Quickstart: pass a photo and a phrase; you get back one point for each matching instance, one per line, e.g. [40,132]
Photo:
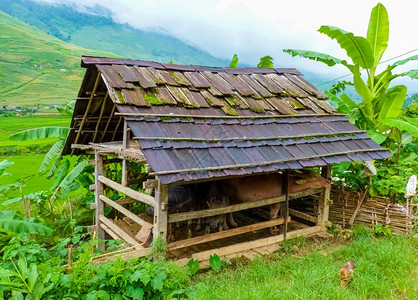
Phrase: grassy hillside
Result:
[97,31]
[36,68]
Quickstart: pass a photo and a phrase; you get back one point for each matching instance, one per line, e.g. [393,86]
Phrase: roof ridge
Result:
[97,60]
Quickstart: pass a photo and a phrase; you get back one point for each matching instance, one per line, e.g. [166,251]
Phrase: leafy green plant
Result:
[234,61]
[266,62]
[380,110]
[158,249]
[193,266]
[215,262]
[23,280]
[9,220]
[382,230]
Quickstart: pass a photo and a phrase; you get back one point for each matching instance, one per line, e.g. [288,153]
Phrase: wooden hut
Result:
[189,124]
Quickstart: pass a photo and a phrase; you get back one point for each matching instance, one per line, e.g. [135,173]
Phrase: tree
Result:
[380,110]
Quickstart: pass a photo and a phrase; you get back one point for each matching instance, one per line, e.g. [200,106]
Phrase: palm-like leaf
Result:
[378,31]
[393,102]
[40,133]
[316,56]
[357,47]
[19,225]
[54,150]
[234,61]
[266,62]
[402,124]
[4,164]
[413,74]
[404,61]
[71,176]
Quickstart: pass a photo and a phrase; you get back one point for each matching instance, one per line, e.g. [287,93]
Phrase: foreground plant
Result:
[380,110]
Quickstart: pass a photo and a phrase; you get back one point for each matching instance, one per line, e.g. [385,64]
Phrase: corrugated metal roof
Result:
[195,123]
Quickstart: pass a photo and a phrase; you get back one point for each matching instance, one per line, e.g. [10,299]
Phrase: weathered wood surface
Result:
[161,211]
[237,207]
[119,231]
[227,116]
[323,203]
[235,166]
[147,199]
[115,149]
[232,249]
[225,234]
[124,211]
[98,203]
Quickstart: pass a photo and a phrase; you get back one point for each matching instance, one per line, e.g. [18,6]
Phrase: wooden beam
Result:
[267,162]
[128,191]
[237,207]
[160,211]
[302,215]
[123,210]
[110,232]
[229,117]
[100,116]
[254,244]
[116,128]
[108,122]
[96,84]
[285,186]
[120,232]
[224,234]
[98,171]
[125,143]
[333,133]
[124,201]
[323,203]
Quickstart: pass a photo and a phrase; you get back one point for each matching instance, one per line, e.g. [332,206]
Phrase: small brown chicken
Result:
[346,272]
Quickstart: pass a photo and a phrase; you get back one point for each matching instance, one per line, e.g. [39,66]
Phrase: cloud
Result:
[256,28]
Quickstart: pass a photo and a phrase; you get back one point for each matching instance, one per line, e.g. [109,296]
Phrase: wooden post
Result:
[126,135]
[323,205]
[99,203]
[160,211]
[285,187]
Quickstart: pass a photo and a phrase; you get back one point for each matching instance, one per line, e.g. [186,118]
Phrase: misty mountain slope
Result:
[36,68]
[100,32]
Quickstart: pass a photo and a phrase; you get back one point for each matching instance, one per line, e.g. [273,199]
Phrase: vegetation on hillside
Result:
[37,68]
[97,30]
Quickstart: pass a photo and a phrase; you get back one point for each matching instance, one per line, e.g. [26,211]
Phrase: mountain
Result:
[96,30]
[37,68]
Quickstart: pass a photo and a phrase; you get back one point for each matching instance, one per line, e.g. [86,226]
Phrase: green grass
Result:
[386,268]
[25,166]
[12,125]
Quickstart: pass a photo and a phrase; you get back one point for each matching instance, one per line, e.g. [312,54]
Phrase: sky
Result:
[253,29]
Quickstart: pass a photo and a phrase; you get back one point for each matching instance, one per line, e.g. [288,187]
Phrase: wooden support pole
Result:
[108,123]
[96,84]
[147,199]
[100,116]
[116,128]
[125,144]
[285,187]
[323,205]
[98,171]
[160,211]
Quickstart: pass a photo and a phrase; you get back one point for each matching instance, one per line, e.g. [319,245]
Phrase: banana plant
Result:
[380,109]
